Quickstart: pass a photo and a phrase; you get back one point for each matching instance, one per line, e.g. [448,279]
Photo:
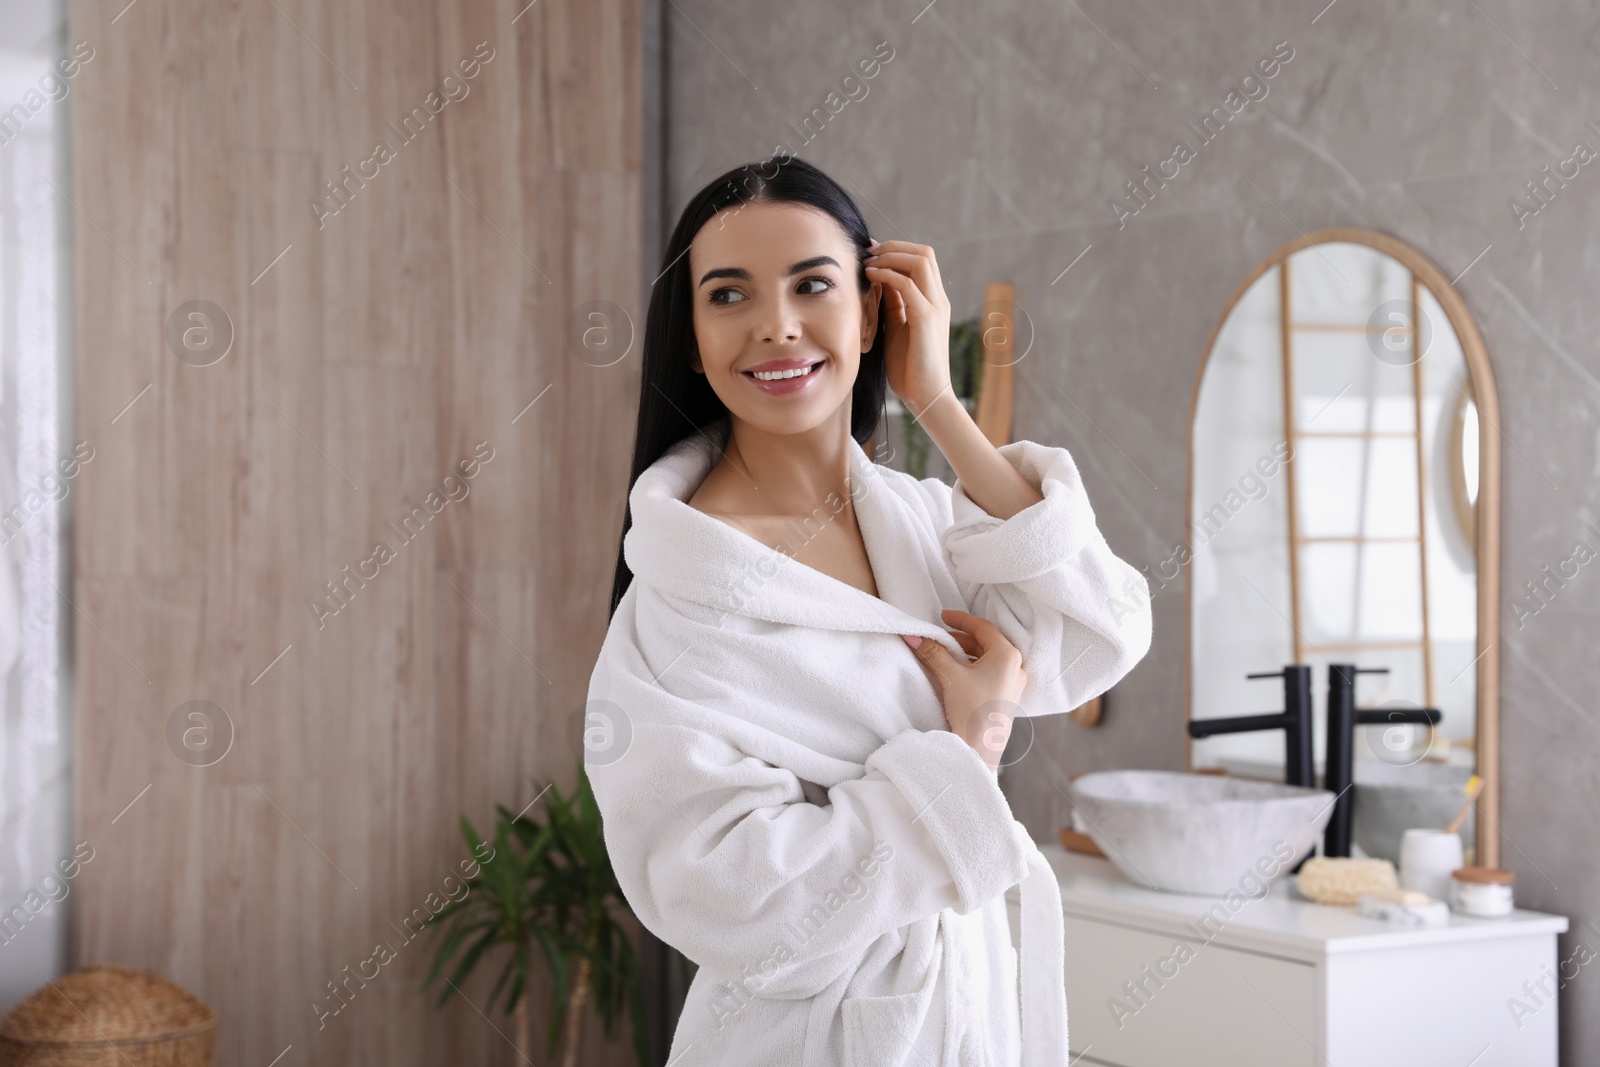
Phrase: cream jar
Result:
[1483,892]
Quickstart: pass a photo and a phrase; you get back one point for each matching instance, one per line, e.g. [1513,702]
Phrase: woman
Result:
[795,800]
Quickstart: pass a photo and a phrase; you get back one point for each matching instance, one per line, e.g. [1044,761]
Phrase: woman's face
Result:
[775,283]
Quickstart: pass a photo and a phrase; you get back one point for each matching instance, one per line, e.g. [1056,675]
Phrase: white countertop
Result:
[1282,923]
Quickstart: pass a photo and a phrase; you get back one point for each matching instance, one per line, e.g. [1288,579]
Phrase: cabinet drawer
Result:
[1135,999]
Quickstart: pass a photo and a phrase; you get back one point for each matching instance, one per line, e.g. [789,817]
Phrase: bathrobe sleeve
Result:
[721,856]
[1046,577]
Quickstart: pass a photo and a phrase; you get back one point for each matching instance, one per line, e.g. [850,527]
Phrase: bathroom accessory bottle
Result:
[1428,858]
[1483,892]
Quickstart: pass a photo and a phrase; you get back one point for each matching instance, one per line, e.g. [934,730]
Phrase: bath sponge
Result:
[1341,880]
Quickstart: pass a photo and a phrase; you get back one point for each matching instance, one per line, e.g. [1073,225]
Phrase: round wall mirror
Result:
[1344,510]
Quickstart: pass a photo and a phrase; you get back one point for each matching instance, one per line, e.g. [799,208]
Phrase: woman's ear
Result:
[694,361]
[870,301]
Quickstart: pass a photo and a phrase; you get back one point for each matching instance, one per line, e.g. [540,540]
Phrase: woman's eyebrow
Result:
[744,275]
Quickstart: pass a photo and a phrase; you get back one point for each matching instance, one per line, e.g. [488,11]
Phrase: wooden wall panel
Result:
[258,868]
[372,350]
[267,545]
[592,418]
[138,648]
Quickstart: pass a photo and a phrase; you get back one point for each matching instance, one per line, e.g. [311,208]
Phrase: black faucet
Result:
[1339,767]
[1294,720]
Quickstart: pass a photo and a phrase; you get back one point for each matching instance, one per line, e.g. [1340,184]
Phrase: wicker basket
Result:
[104,1015]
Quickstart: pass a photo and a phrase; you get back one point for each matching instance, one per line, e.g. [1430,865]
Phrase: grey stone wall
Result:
[1002,134]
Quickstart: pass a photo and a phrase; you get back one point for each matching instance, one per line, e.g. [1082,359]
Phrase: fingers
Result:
[917,262]
[895,304]
[968,643]
[911,292]
[916,259]
[917,254]
[902,246]
[988,635]
[937,659]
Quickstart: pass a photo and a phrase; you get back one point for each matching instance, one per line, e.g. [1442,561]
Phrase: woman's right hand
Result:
[980,698]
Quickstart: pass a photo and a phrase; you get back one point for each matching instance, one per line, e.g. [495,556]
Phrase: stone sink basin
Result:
[1199,833]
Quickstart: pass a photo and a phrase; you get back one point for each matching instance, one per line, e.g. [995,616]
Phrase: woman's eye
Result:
[716,296]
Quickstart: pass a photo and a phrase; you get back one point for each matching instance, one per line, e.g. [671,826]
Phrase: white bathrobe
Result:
[783,800]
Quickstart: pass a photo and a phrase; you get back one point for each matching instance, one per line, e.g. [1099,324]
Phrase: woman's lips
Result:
[787,386]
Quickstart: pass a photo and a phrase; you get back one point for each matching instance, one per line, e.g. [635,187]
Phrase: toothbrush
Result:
[1473,787]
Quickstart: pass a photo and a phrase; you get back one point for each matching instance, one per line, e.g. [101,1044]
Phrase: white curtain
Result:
[35,306]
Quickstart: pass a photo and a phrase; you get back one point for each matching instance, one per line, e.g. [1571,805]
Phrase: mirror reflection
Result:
[1332,516]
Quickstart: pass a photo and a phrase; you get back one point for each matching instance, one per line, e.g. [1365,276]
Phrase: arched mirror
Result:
[1344,509]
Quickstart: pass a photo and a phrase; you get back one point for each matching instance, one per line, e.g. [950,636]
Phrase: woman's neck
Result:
[788,474]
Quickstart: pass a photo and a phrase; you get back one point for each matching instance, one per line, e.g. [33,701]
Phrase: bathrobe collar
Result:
[684,552]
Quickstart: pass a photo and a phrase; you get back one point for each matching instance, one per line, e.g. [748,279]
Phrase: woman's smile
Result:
[785,377]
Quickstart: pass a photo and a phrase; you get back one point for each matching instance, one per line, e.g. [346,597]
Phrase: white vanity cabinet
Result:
[1282,981]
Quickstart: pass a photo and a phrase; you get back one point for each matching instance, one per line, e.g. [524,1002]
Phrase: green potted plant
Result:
[966,378]
[549,883]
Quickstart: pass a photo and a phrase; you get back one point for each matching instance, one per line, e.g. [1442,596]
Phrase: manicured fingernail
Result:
[911,639]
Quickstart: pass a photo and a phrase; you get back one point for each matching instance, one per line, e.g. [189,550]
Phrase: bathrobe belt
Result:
[1040,958]
[1040,961]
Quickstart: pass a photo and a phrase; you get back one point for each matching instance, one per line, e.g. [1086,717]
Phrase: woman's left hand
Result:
[916,322]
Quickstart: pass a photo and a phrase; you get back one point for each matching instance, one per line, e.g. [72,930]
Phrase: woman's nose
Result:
[788,330]
[785,323]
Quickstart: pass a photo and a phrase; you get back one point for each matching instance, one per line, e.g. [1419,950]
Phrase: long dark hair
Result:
[674,401]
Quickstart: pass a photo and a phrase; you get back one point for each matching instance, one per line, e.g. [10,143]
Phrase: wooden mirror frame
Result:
[995,404]
[1487,541]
